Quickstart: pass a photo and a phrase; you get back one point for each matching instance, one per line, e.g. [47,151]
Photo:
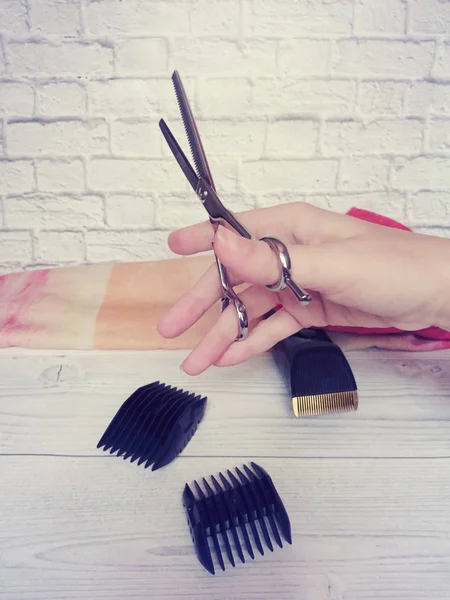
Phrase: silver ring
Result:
[285,261]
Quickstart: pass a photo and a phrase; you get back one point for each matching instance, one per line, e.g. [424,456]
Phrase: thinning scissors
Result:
[202,183]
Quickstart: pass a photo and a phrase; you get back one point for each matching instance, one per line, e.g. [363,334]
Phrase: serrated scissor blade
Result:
[193,136]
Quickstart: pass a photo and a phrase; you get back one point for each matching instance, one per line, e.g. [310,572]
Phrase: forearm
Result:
[441,267]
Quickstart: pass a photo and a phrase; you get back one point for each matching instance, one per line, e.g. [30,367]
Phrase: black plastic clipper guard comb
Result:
[154,425]
[235,508]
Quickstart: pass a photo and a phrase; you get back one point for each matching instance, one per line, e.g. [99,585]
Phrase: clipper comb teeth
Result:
[241,506]
[154,425]
[318,374]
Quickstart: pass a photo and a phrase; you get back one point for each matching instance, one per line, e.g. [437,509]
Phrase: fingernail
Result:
[183,365]
[161,327]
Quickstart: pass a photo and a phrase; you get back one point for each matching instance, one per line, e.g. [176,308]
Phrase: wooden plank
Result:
[61,403]
[85,528]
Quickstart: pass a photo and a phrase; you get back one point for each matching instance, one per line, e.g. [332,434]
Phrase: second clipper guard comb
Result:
[233,508]
[154,425]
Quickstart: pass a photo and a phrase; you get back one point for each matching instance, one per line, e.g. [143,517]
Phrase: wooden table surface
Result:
[368,493]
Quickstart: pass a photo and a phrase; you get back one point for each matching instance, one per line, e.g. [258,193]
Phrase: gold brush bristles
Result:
[324,404]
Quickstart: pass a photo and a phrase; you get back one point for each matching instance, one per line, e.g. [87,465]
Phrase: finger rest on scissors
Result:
[241,313]
[285,280]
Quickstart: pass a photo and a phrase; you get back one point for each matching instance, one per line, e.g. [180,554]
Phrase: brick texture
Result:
[61,17]
[13,17]
[66,138]
[395,58]
[365,173]
[432,16]
[401,136]
[60,175]
[439,135]
[380,16]
[216,55]
[142,55]
[50,211]
[126,210]
[70,244]
[134,17]
[338,103]
[294,17]
[122,97]
[47,59]
[304,57]
[423,172]
[292,137]
[16,176]
[16,99]
[424,97]
[382,98]
[429,208]
[61,100]
[442,66]
[305,176]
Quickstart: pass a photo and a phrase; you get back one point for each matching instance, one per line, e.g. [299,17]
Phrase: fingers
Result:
[198,238]
[192,306]
[213,345]
[209,350]
[252,261]
[317,268]
[267,333]
[258,301]
[192,239]
[293,223]
[205,293]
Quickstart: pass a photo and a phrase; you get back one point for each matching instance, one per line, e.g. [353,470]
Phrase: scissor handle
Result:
[241,315]
[285,281]
[229,295]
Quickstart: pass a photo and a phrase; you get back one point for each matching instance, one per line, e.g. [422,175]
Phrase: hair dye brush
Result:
[317,373]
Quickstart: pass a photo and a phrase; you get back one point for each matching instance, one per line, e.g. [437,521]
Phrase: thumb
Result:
[317,267]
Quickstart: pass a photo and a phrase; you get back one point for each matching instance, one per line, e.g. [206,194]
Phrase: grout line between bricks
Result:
[4,137]
[26,4]
[408,16]
[353,27]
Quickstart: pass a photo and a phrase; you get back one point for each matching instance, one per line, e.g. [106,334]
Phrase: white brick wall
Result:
[334,102]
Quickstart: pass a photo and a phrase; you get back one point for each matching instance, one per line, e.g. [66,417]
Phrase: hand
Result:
[358,274]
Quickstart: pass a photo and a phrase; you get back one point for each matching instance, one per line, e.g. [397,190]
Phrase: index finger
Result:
[295,223]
